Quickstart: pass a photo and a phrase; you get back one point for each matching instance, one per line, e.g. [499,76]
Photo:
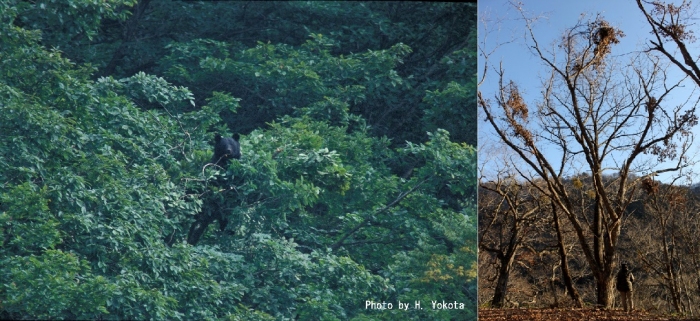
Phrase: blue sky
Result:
[505,24]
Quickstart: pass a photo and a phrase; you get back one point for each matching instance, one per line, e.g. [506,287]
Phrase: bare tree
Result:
[599,117]
[665,240]
[506,219]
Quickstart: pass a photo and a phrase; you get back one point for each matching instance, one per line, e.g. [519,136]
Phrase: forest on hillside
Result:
[594,172]
[355,186]
[659,242]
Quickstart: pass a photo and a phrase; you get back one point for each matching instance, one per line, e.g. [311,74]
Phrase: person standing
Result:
[624,285]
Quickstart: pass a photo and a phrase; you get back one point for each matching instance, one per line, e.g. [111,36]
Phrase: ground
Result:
[570,315]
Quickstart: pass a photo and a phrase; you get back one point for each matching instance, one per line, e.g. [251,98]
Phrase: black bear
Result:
[225,148]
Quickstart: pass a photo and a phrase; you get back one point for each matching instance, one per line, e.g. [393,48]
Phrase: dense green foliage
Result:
[356,181]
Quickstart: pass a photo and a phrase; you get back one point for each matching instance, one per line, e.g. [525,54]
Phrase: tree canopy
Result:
[356,183]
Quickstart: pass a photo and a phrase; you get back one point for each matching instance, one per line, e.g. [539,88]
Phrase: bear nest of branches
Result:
[604,36]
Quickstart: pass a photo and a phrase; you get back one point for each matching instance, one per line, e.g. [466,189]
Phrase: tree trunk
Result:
[606,230]
[671,276]
[605,293]
[566,274]
[499,295]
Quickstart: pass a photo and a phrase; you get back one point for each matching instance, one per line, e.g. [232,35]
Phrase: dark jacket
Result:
[624,279]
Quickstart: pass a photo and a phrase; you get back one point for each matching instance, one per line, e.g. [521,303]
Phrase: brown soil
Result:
[570,315]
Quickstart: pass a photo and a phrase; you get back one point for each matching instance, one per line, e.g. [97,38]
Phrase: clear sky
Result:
[503,23]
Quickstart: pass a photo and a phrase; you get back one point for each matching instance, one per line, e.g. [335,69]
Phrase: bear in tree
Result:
[225,148]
